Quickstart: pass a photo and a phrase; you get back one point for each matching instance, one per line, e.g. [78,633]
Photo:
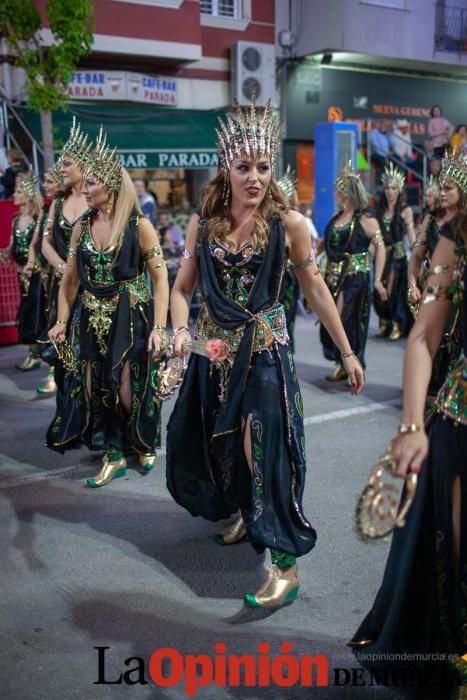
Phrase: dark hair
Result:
[383,203]
[433,108]
[459,225]
[459,127]
[16,156]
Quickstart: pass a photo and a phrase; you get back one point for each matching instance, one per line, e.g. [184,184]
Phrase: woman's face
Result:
[19,197]
[249,180]
[430,200]
[449,195]
[71,171]
[392,193]
[50,186]
[436,111]
[341,199]
[95,193]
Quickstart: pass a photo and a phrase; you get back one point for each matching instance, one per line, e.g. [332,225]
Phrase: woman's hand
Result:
[382,291]
[414,294]
[157,342]
[57,333]
[28,268]
[179,339]
[355,373]
[408,450]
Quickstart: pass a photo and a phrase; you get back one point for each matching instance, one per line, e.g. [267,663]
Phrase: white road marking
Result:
[27,479]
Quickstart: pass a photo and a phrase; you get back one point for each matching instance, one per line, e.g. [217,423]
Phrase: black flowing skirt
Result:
[396,308]
[271,497]
[355,318]
[421,607]
[96,418]
[290,298]
[31,313]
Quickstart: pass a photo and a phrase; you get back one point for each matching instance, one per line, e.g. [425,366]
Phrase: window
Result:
[221,8]
[390,4]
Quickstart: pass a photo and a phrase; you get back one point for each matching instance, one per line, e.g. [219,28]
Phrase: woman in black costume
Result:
[27,197]
[113,405]
[396,221]
[236,437]
[421,606]
[348,239]
[38,265]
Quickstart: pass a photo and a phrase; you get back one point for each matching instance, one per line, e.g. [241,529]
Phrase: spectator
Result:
[435,166]
[164,223]
[458,141]
[15,165]
[147,201]
[307,213]
[382,145]
[171,251]
[440,131]
[403,143]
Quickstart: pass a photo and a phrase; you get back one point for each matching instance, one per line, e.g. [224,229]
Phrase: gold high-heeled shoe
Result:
[30,362]
[49,386]
[109,471]
[395,333]
[232,533]
[147,461]
[338,375]
[384,328]
[280,588]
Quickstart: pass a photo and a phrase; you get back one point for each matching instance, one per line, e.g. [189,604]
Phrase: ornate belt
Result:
[452,397]
[358,262]
[399,250]
[102,308]
[270,326]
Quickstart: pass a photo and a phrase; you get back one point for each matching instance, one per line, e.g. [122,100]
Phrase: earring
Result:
[269,192]
[110,203]
[226,190]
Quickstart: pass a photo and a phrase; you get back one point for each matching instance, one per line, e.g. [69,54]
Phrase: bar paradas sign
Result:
[122,86]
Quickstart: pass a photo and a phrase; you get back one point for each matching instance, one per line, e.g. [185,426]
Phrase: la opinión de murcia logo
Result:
[167,668]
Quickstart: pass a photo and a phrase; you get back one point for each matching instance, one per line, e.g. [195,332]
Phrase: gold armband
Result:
[377,238]
[306,263]
[152,253]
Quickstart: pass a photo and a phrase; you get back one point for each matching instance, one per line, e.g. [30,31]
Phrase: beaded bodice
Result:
[349,238]
[392,228]
[21,241]
[97,263]
[236,271]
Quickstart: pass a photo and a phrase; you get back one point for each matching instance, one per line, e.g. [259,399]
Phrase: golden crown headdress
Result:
[55,173]
[104,164]
[454,167]
[76,145]
[288,183]
[393,177]
[342,180]
[254,133]
[432,186]
[30,184]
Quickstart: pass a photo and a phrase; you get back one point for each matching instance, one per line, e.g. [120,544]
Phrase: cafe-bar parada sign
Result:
[122,86]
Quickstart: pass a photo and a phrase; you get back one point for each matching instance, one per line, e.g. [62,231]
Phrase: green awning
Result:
[145,136]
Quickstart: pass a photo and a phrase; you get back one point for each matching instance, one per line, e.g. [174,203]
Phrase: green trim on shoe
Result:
[251,601]
[94,485]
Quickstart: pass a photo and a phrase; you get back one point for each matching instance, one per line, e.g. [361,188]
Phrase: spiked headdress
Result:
[254,133]
[76,145]
[393,177]
[30,185]
[55,173]
[454,167]
[342,180]
[432,186]
[288,183]
[104,164]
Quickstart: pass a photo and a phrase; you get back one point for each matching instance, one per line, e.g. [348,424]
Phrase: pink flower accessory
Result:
[214,350]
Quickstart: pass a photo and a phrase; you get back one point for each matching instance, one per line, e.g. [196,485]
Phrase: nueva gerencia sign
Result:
[122,85]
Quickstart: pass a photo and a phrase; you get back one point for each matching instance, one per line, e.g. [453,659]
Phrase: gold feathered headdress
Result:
[104,164]
[76,145]
[454,167]
[393,177]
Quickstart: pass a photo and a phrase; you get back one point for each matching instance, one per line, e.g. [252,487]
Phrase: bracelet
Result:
[412,285]
[378,280]
[348,354]
[408,428]
[159,328]
[61,322]
[176,331]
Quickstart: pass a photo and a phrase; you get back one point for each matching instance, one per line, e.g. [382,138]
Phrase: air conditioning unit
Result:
[253,68]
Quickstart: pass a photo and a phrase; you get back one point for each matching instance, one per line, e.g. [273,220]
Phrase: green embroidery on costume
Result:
[113,454]
[299,403]
[282,559]
[56,425]
[257,451]
[102,265]
[302,443]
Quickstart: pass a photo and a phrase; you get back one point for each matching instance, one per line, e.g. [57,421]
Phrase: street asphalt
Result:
[124,567]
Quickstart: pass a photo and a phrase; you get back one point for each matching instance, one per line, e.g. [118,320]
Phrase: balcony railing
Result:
[451,28]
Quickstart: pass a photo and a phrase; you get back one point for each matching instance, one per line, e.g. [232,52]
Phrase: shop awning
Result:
[145,136]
